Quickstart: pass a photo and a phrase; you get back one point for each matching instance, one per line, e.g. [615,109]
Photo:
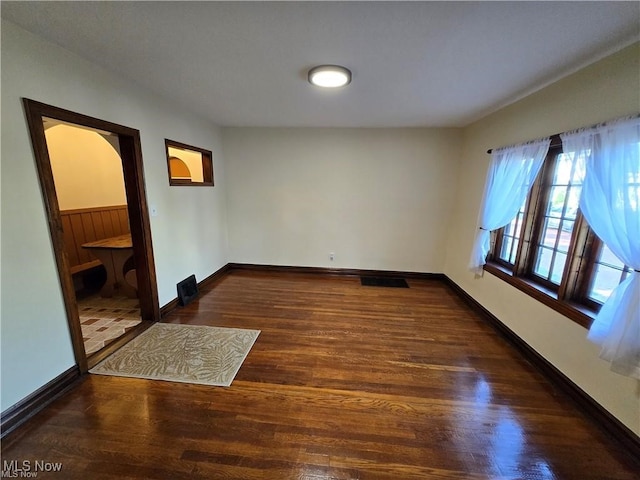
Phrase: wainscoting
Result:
[88,225]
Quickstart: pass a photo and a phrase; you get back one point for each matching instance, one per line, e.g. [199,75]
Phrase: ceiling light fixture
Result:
[329,76]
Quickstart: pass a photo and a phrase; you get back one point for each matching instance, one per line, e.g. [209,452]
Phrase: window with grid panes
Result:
[561,188]
[549,251]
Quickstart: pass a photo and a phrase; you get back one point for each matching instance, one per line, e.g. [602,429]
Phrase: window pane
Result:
[510,238]
[518,224]
[608,257]
[511,227]
[573,202]
[556,201]
[563,171]
[608,273]
[505,253]
[543,262]
[514,250]
[579,168]
[550,232]
[604,281]
[566,227]
[558,267]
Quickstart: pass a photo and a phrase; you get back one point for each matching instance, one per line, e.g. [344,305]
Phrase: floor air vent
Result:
[187,290]
[384,282]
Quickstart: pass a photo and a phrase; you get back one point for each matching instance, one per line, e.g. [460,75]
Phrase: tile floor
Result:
[105,319]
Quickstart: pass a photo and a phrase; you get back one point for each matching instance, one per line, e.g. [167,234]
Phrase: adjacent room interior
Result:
[89,185]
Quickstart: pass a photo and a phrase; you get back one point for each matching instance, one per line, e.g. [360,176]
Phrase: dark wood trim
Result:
[179,182]
[573,311]
[336,271]
[568,280]
[205,283]
[219,274]
[613,427]
[131,154]
[207,165]
[213,278]
[593,245]
[35,111]
[580,263]
[184,146]
[537,228]
[140,225]
[529,225]
[26,408]
[169,307]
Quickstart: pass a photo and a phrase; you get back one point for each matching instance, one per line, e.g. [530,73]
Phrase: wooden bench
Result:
[89,225]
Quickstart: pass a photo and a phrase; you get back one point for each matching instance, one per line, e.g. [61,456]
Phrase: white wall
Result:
[378,198]
[605,90]
[189,233]
[87,170]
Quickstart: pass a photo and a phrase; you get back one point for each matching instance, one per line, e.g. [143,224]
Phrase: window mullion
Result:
[526,229]
[497,237]
[579,259]
[537,201]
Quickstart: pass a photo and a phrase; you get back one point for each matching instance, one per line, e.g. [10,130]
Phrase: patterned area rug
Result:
[182,353]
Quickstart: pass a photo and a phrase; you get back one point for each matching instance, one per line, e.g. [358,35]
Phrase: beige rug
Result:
[182,353]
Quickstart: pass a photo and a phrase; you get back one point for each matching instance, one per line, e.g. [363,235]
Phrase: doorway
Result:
[138,275]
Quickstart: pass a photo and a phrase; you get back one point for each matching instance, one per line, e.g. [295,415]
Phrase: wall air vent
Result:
[187,290]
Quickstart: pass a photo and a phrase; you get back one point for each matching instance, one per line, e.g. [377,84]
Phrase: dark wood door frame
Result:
[131,154]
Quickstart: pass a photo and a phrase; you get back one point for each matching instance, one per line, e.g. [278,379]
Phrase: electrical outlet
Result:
[332,256]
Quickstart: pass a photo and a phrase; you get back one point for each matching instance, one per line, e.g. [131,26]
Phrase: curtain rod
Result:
[557,142]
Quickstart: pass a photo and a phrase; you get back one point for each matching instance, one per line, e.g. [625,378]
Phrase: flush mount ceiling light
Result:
[329,76]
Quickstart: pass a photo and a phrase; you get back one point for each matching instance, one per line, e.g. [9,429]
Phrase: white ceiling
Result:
[413,63]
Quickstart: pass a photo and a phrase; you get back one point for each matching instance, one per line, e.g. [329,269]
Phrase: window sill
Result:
[579,314]
[174,182]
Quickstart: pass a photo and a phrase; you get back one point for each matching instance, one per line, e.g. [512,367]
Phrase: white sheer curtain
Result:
[610,202]
[509,179]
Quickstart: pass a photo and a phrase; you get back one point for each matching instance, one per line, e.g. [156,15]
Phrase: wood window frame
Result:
[570,298]
[207,165]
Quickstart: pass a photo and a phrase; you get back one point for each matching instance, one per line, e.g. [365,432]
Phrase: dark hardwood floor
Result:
[344,382]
